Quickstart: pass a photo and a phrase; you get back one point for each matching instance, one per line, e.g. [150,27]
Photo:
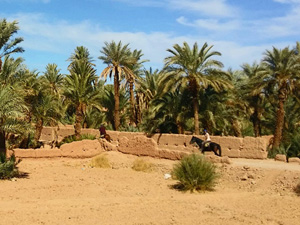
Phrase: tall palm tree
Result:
[108,102]
[147,87]
[256,100]
[281,73]
[8,44]
[195,69]
[53,79]
[131,81]
[119,60]
[80,88]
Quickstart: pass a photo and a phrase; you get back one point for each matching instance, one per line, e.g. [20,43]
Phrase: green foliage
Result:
[8,167]
[290,146]
[73,138]
[142,165]
[195,173]
[100,161]
[274,151]
[129,128]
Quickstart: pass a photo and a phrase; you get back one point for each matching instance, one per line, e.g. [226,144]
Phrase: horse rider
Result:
[206,139]
[102,131]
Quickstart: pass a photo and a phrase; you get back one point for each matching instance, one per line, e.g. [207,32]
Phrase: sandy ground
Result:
[68,191]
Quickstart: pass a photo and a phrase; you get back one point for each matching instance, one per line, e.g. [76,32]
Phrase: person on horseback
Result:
[102,131]
[206,139]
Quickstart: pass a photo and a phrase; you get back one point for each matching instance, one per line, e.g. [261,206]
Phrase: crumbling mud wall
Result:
[170,146]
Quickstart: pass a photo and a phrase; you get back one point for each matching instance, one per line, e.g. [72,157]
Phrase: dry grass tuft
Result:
[100,161]
[142,165]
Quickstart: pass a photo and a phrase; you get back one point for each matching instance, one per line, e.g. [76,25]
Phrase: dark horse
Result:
[107,137]
[210,146]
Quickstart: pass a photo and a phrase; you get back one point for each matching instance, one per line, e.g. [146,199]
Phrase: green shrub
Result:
[73,138]
[8,167]
[195,173]
[272,152]
[100,161]
[142,165]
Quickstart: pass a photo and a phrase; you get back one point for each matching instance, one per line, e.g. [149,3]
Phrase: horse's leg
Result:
[215,151]
[220,152]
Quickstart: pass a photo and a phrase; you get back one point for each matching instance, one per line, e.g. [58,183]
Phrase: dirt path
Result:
[68,191]
[267,164]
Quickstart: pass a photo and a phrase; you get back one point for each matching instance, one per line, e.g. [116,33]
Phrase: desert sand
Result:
[69,191]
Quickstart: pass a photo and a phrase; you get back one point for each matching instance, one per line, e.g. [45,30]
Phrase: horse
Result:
[106,137]
[209,146]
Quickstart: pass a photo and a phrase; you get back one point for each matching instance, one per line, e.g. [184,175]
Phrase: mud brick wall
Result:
[247,147]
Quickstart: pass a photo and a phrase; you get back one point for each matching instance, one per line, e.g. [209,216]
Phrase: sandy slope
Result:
[68,191]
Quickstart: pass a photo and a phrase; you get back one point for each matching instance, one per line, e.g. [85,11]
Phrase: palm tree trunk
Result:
[117,100]
[78,120]
[194,90]
[196,115]
[132,120]
[279,123]
[180,128]
[138,111]
[256,124]
[236,128]
[2,143]
[25,142]
[38,130]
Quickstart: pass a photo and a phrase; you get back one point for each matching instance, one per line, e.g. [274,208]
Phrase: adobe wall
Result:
[172,146]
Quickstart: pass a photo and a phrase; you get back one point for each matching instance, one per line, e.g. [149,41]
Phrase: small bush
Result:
[195,173]
[72,138]
[297,189]
[142,165]
[8,167]
[100,161]
[272,152]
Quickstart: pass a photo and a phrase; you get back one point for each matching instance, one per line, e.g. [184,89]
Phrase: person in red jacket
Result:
[102,131]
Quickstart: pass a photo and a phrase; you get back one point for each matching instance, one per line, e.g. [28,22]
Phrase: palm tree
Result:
[12,108]
[53,79]
[80,88]
[147,87]
[256,100]
[108,102]
[281,73]
[10,69]
[8,45]
[45,109]
[168,112]
[132,80]
[119,60]
[196,70]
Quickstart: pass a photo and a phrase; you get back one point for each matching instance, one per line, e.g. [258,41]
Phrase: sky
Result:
[241,30]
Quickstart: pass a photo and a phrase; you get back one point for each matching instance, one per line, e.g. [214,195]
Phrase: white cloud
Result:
[210,24]
[61,38]
[211,8]
[27,1]
[288,1]
[277,27]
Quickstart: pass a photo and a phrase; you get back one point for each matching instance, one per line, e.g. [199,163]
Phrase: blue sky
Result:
[240,29]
